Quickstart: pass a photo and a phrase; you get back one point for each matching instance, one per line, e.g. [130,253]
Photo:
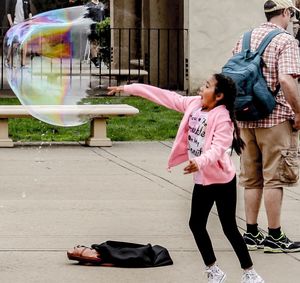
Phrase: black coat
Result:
[124,254]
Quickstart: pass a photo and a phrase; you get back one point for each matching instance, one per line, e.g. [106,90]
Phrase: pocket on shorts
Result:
[289,166]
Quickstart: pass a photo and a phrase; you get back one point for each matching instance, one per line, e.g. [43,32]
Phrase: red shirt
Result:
[280,57]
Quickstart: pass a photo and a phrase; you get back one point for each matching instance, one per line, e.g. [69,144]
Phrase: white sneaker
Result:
[215,274]
[250,276]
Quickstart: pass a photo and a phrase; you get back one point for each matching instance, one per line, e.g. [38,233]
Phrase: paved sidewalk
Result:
[55,197]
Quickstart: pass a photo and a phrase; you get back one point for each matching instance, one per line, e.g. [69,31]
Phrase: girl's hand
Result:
[191,167]
[115,89]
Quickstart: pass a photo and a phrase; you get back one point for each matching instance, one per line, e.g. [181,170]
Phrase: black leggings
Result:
[225,197]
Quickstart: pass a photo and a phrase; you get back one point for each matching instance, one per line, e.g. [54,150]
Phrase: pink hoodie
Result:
[215,164]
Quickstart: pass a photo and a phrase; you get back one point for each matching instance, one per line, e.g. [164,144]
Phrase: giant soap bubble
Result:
[44,63]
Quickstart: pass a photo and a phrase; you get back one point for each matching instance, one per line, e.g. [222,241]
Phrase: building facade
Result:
[177,43]
[213,28]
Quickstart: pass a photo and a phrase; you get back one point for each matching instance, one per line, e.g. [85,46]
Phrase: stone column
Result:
[124,21]
[161,43]
[164,42]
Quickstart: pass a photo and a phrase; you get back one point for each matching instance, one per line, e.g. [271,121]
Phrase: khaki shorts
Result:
[266,156]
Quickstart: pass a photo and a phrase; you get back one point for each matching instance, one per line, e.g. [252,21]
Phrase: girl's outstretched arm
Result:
[167,98]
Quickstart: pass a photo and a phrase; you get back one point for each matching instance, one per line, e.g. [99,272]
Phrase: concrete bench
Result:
[97,113]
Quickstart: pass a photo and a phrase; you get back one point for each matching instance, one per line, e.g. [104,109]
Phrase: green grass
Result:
[152,123]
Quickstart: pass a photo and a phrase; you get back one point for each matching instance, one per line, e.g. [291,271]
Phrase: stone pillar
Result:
[124,24]
[164,42]
[161,43]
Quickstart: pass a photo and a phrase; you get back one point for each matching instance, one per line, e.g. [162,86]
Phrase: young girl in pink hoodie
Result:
[207,130]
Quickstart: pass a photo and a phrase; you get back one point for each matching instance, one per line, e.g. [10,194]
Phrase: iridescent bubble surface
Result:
[44,63]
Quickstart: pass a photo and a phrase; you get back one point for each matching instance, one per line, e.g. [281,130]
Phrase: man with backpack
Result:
[269,161]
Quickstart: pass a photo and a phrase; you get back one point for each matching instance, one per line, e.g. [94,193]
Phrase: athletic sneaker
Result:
[281,245]
[250,276]
[215,274]
[254,242]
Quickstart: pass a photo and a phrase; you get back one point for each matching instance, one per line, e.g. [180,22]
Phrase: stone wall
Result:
[214,27]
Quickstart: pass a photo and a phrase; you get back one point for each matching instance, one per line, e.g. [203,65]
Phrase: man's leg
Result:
[273,142]
[94,48]
[251,175]
[94,53]
[252,198]
[273,201]
[276,241]
[252,180]
[253,237]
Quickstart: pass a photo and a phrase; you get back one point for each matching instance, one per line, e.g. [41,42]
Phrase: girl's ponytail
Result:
[227,86]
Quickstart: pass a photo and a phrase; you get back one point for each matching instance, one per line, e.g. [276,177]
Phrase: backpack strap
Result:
[267,39]
[246,40]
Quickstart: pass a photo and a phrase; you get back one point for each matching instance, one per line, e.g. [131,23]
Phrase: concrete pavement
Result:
[55,197]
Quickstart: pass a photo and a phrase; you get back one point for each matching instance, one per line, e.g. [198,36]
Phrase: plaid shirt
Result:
[280,57]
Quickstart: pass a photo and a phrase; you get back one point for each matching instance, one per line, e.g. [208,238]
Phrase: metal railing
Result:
[3,30]
[155,56]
